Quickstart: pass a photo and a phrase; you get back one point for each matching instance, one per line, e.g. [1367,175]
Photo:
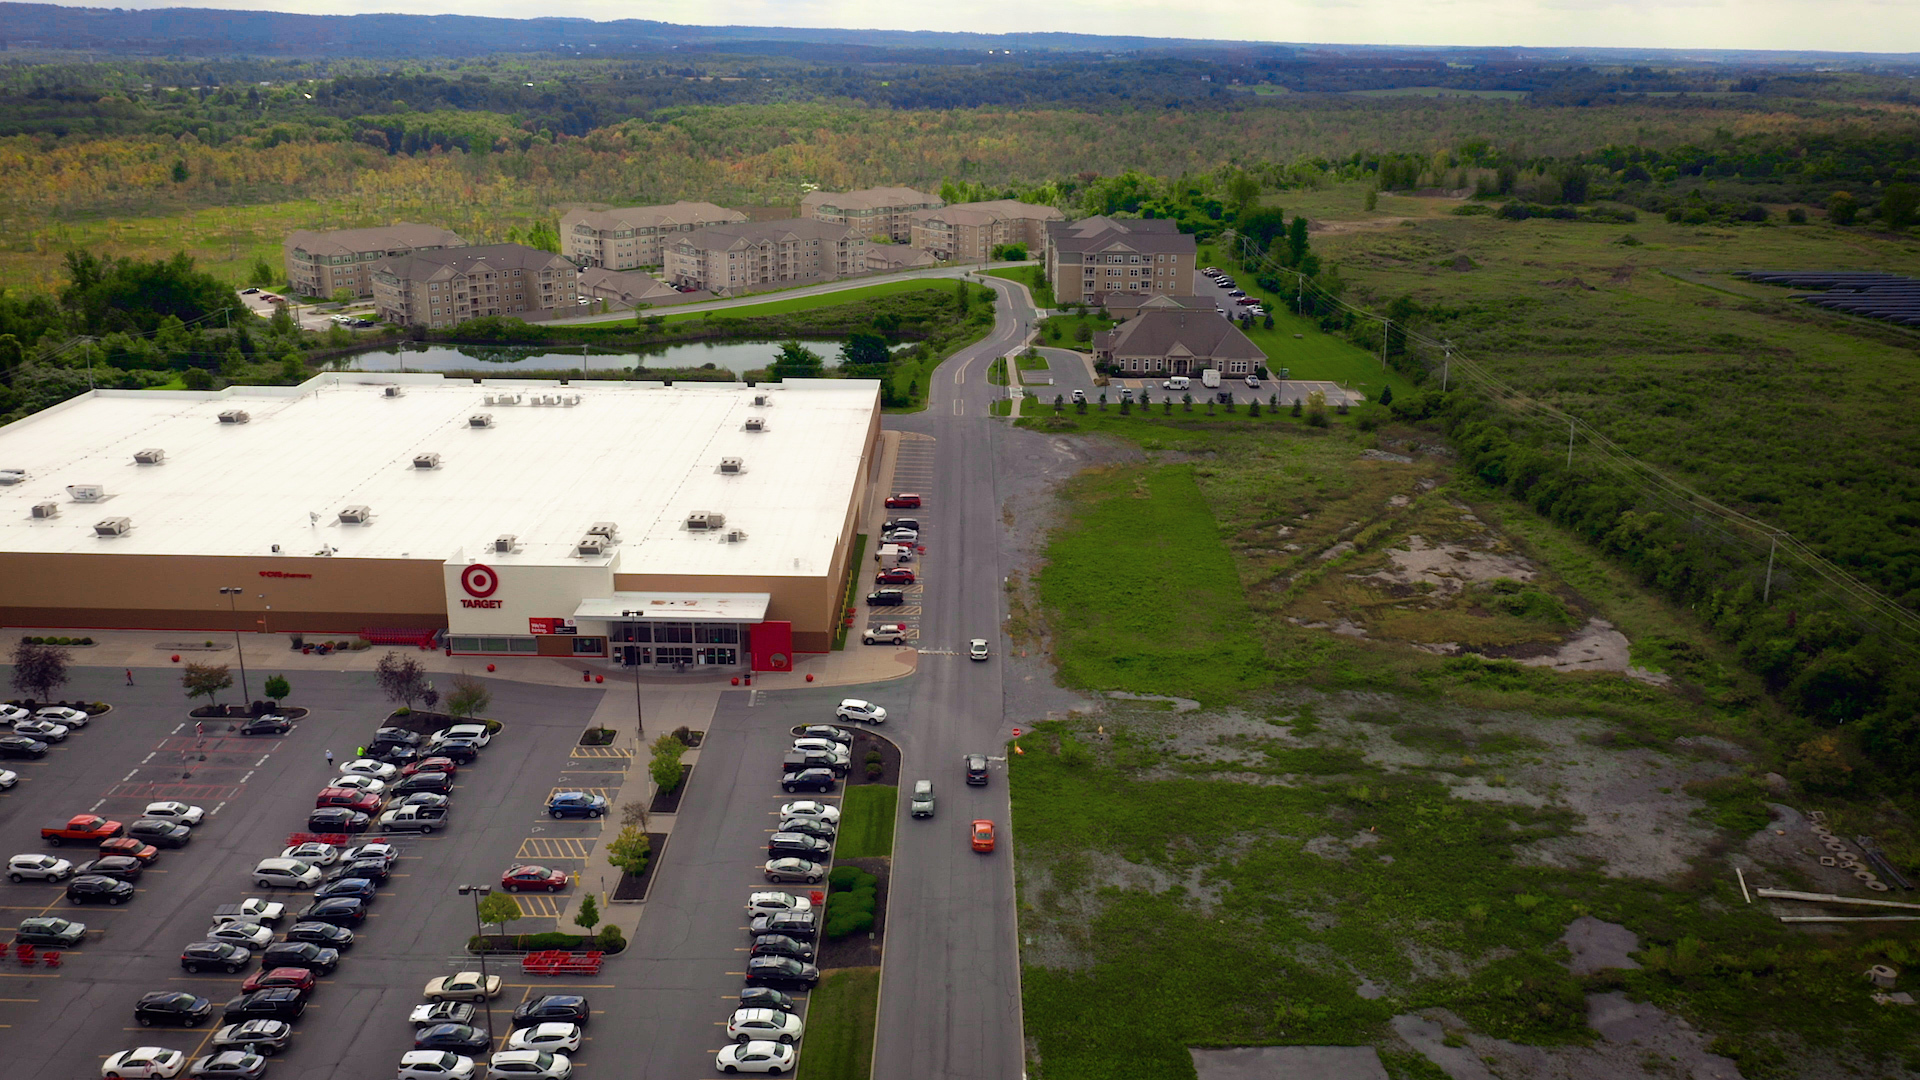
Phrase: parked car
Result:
[552,1036]
[379,849]
[8,778]
[813,827]
[976,770]
[359,888]
[886,598]
[285,873]
[19,746]
[267,725]
[577,804]
[755,1057]
[885,634]
[900,523]
[466,986]
[798,925]
[44,730]
[431,764]
[38,868]
[475,732]
[94,889]
[459,751]
[177,812]
[337,819]
[798,845]
[393,736]
[442,1012]
[278,978]
[361,783]
[161,832]
[784,870]
[50,930]
[864,712]
[825,731]
[245,934]
[224,1064]
[528,1065]
[829,746]
[781,945]
[142,1062]
[172,1007]
[435,1065]
[766,997]
[909,537]
[821,780]
[1253,381]
[903,500]
[301,954]
[124,867]
[437,783]
[379,770]
[533,878]
[350,798]
[819,811]
[61,714]
[374,870]
[254,1036]
[898,575]
[552,1008]
[800,760]
[279,1003]
[313,853]
[781,972]
[326,935]
[341,911]
[463,1038]
[982,833]
[215,956]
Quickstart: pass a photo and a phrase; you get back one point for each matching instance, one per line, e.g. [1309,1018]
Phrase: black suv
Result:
[804,847]
[323,934]
[337,819]
[124,867]
[436,782]
[886,598]
[19,746]
[809,780]
[208,955]
[277,1003]
[819,830]
[463,751]
[94,889]
[172,1007]
[300,954]
[797,760]
[553,1008]
[976,769]
[166,834]
[781,972]
[374,870]
[797,925]
[340,911]
[781,945]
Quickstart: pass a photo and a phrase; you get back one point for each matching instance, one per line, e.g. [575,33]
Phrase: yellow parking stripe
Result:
[554,847]
[540,905]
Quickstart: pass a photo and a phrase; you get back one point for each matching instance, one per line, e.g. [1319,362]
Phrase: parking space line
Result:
[605,793]
[601,752]
[545,906]
[554,847]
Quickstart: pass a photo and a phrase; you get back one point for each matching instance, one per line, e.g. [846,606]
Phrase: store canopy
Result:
[626,606]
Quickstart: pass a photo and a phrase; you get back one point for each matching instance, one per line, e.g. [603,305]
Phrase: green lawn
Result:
[1320,356]
[855,577]
[1034,278]
[1032,361]
[1063,331]
[808,303]
[997,371]
[841,1014]
[866,821]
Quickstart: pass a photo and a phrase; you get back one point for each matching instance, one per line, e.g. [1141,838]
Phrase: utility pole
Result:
[486,999]
[1766,595]
[1446,365]
[633,655]
[1569,442]
[232,592]
[1386,325]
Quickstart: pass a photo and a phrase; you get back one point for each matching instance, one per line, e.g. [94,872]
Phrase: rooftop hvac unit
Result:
[569,400]
[10,477]
[706,519]
[112,527]
[507,399]
[590,546]
[503,544]
[732,465]
[356,515]
[235,416]
[734,536]
[86,492]
[426,461]
[762,401]
[46,510]
[393,391]
[150,457]
[755,423]
[480,419]
[606,529]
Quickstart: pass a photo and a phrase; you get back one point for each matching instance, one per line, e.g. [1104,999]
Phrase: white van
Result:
[891,555]
[1178,382]
[1210,377]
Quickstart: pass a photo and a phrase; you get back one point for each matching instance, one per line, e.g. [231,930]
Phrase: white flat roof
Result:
[640,455]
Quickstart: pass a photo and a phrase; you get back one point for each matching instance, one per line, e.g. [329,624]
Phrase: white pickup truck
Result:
[252,909]
[420,819]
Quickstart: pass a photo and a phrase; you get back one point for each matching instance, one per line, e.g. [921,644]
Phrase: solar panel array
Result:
[1869,294]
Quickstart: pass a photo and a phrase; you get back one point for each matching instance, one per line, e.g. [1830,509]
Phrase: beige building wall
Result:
[526,284]
[637,236]
[727,260]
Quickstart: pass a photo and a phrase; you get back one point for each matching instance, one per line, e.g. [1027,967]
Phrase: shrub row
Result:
[56,641]
[851,893]
[608,940]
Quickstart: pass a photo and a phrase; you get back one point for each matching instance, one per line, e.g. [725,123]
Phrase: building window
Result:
[675,655]
[589,646]
[673,632]
[721,657]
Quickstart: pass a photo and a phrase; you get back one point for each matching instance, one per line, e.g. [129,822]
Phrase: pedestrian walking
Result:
[329,757]
[199,728]
[129,676]
[360,751]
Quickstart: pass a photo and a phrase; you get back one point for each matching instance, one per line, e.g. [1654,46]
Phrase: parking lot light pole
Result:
[232,593]
[633,647]
[486,999]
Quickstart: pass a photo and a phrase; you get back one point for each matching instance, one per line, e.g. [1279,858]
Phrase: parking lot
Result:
[64,1021]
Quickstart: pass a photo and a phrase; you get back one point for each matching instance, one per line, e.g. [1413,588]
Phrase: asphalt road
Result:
[63,1022]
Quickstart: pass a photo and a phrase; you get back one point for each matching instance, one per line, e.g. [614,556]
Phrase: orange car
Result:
[983,835]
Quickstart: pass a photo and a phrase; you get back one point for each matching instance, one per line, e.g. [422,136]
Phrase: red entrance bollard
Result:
[809,676]
[176,658]
[599,678]
[586,676]
[489,667]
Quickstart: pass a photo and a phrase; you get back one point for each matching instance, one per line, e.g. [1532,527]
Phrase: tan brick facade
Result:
[323,263]
[635,236]
[732,259]
[1104,255]
[448,287]
[882,211]
[968,232]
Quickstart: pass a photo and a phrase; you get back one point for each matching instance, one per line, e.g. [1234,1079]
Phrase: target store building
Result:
[673,527]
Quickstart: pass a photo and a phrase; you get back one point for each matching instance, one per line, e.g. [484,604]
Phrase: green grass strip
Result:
[854,569]
[866,821]
[841,1013]
[809,303]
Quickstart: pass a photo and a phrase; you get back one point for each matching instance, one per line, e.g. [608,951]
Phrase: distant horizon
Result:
[1871,27]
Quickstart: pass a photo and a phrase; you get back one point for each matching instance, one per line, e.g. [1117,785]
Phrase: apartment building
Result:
[323,263]
[880,211]
[1105,255]
[968,232]
[1176,342]
[441,288]
[727,260]
[635,236]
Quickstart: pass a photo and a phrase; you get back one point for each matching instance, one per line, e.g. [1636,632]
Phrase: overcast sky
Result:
[1837,25]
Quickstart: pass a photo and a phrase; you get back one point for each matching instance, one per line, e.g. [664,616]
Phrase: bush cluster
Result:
[850,898]
[56,640]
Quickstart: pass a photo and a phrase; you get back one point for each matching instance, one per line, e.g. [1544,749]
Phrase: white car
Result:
[529,1065]
[1253,381]
[177,812]
[313,853]
[764,1025]
[825,746]
[977,649]
[12,714]
[60,714]
[865,712]
[476,732]
[435,1065]
[465,986]
[44,730]
[285,874]
[807,808]
[765,903]
[146,1061]
[361,783]
[551,1037]
[8,778]
[38,867]
[252,935]
[367,766]
[790,869]
[760,1057]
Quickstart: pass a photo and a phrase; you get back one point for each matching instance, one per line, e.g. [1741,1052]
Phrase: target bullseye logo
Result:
[479,580]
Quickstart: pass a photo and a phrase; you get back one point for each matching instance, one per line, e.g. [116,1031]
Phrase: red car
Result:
[270,978]
[431,764]
[983,835]
[351,798]
[127,845]
[903,500]
[899,575]
[533,878]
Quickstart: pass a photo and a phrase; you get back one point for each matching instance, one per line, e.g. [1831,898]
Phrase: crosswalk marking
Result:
[602,752]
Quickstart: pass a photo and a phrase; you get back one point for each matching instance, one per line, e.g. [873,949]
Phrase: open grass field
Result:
[841,1013]
[866,821]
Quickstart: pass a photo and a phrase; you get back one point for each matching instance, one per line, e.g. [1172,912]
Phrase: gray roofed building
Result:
[1178,342]
[627,288]
[1108,255]
[323,263]
[727,260]
[634,236]
[874,211]
[441,288]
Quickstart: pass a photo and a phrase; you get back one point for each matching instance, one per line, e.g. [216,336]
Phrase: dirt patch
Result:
[861,950]
[864,743]
[1597,647]
[1635,1040]
[1598,945]
[632,888]
[1448,568]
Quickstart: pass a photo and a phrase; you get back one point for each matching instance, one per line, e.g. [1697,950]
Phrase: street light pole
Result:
[232,593]
[639,724]
[486,999]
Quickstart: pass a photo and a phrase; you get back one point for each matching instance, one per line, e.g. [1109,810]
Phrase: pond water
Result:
[736,356]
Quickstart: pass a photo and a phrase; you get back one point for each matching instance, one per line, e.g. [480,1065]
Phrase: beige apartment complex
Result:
[323,263]
[1103,255]
[634,236]
[441,288]
[727,260]
[881,211]
[968,232]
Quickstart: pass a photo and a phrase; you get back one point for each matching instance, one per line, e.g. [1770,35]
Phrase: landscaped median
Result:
[842,1011]
[841,1015]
